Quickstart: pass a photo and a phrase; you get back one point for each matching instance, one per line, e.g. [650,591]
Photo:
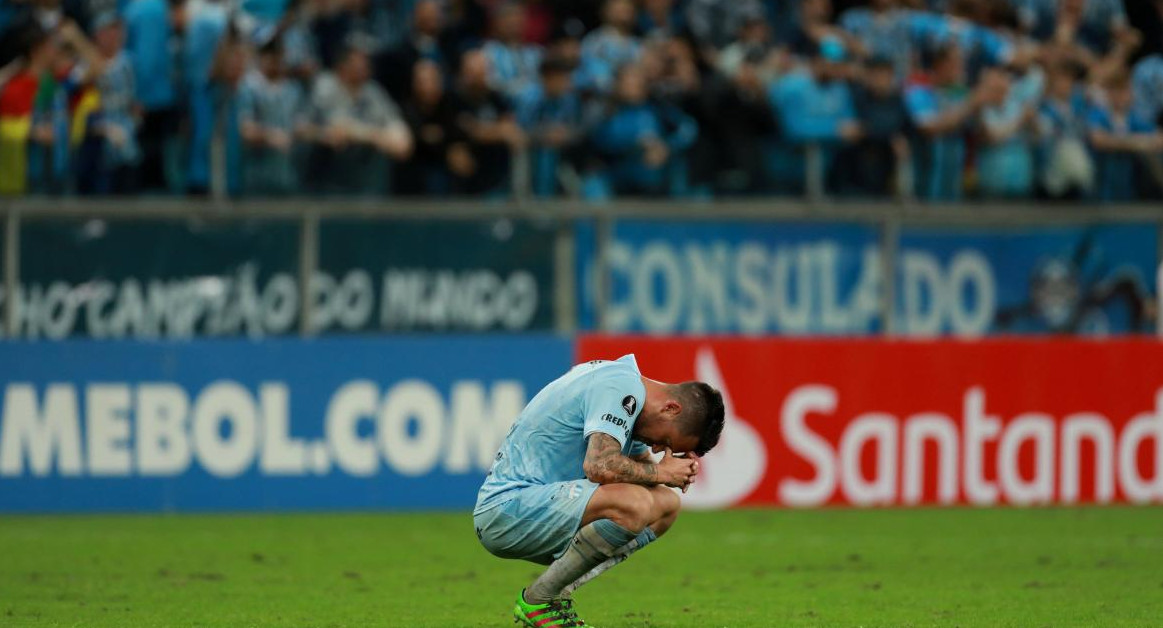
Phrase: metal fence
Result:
[564,217]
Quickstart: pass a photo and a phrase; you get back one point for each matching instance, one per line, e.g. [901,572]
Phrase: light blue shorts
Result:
[535,523]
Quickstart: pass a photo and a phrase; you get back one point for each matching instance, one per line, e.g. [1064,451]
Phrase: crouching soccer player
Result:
[574,485]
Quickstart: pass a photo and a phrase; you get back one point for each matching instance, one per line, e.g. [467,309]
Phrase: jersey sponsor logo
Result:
[619,421]
[616,420]
[629,404]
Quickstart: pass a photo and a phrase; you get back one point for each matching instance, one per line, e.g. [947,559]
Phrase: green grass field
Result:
[1096,567]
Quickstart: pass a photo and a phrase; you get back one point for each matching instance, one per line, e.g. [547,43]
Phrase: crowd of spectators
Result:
[937,99]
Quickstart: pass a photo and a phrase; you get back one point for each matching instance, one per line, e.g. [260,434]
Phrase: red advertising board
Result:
[873,422]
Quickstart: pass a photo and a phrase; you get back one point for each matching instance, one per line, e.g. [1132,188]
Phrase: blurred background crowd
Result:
[937,100]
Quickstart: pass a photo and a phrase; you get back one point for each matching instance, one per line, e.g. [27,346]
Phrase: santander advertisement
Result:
[880,423]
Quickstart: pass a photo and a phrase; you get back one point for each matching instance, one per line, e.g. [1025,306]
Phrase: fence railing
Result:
[565,218]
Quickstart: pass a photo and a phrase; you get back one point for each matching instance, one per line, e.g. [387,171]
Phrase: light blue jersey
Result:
[535,497]
[547,443]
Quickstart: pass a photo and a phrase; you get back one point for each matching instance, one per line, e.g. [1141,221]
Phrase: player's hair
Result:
[702,413]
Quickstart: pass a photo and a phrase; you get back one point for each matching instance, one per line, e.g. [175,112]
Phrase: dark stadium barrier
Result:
[889,423]
[175,278]
[157,268]
[283,424]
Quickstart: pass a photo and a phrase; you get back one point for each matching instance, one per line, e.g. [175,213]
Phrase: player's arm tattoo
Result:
[605,464]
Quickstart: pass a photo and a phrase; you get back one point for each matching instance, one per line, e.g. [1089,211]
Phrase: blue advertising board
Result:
[706,277]
[281,424]
[735,277]
[1078,280]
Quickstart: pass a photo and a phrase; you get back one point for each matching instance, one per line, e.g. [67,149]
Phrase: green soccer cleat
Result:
[555,614]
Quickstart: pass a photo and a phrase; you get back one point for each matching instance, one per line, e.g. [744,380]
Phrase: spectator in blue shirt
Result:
[814,103]
[116,153]
[206,27]
[883,32]
[635,141]
[814,107]
[941,108]
[226,76]
[606,49]
[1005,165]
[552,117]
[1067,166]
[1148,86]
[513,64]
[963,27]
[151,27]
[268,107]
[1120,137]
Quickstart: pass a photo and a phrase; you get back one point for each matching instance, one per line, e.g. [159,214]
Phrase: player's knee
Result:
[633,509]
[666,502]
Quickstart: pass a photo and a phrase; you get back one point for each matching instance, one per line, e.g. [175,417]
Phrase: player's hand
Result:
[696,464]
[676,472]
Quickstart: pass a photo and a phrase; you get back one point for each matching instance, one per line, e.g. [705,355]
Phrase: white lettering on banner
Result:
[225,429]
[969,269]
[938,429]
[1098,430]
[162,446]
[352,404]
[921,279]
[979,428]
[413,427]
[879,429]
[1142,427]
[708,266]
[108,429]
[751,287]
[410,427]
[793,426]
[281,454]
[935,300]
[1038,429]
[470,299]
[157,429]
[479,427]
[1055,456]
[240,303]
[793,313]
[750,310]
[46,434]
[659,285]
